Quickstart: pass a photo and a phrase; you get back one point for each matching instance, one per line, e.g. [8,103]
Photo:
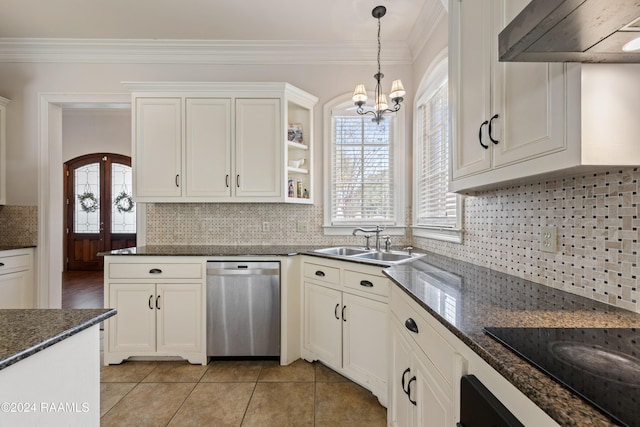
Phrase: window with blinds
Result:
[361,170]
[436,207]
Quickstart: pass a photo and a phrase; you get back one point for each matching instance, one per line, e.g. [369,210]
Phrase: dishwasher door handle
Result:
[243,272]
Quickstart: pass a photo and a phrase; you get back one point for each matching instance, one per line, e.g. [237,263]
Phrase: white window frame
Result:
[432,80]
[398,226]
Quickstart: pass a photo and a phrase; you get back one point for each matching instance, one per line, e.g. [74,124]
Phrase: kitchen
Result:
[500,224]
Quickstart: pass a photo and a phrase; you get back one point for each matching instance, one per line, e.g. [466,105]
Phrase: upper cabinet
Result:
[512,121]
[222,142]
[3,143]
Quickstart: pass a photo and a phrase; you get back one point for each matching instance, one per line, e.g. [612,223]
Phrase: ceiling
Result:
[243,20]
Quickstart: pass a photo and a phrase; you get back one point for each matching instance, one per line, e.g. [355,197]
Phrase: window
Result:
[437,212]
[363,183]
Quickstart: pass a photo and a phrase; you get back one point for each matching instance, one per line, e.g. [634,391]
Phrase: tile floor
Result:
[233,393]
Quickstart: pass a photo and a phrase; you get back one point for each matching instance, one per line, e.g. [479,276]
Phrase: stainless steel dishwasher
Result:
[243,308]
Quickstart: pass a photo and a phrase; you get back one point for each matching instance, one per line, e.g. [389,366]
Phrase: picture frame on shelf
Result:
[294,133]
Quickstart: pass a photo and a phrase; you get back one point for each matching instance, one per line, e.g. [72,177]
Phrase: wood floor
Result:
[82,289]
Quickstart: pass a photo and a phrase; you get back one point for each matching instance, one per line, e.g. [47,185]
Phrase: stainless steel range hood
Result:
[572,31]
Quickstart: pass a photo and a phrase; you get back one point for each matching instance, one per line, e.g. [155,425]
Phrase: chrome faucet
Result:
[377,230]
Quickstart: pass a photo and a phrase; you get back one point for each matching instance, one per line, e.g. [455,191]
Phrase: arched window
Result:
[436,211]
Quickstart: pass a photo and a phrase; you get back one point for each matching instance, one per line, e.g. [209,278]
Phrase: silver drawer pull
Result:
[155,271]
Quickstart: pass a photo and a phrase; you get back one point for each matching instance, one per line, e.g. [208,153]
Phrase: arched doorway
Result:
[99,212]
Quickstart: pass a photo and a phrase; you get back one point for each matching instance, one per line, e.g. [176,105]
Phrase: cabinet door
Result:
[208,147]
[528,97]
[469,82]
[16,290]
[157,161]
[400,408]
[323,323]
[179,317]
[434,406]
[133,330]
[259,149]
[364,338]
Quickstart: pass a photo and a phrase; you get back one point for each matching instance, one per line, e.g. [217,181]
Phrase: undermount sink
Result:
[390,257]
[385,256]
[342,251]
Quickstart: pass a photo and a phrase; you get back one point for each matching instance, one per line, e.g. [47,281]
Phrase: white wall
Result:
[86,131]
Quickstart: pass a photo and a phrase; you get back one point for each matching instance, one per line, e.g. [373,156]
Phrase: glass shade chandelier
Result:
[397,90]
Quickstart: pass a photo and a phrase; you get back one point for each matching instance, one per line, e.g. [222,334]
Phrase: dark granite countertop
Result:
[26,332]
[484,297]
[211,250]
[12,247]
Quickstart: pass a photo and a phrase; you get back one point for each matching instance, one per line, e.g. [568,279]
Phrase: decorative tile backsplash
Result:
[18,225]
[596,216]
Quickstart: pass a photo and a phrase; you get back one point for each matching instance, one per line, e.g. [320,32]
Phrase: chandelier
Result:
[397,90]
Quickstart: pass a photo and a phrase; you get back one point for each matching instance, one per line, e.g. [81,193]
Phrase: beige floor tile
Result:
[148,405]
[111,393]
[126,372]
[298,371]
[215,404]
[233,371]
[281,404]
[347,404]
[328,375]
[175,372]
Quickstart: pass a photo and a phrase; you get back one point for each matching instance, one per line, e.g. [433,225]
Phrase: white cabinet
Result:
[16,278]
[514,122]
[160,309]
[219,142]
[3,144]
[424,371]
[346,328]
[504,113]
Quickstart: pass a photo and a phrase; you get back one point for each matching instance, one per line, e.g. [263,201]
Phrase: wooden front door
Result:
[100,214]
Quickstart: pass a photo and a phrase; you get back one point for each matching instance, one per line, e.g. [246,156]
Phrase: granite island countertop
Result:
[488,298]
[25,332]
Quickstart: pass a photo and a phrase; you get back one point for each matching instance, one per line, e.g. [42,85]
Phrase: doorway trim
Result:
[49,258]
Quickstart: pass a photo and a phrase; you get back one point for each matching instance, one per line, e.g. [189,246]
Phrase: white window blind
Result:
[436,206]
[362,172]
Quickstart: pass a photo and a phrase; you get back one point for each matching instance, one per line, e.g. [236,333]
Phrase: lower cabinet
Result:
[419,396]
[347,329]
[154,319]
[16,279]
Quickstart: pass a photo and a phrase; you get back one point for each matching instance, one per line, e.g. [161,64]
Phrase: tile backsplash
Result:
[18,225]
[596,216]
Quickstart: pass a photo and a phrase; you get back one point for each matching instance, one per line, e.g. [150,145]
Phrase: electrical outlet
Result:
[301,226]
[548,239]
[265,226]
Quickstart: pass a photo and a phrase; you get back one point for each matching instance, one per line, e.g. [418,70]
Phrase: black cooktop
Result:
[602,365]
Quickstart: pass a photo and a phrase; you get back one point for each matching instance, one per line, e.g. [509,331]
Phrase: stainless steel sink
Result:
[342,251]
[362,254]
[386,256]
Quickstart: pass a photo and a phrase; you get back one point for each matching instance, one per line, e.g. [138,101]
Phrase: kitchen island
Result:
[50,366]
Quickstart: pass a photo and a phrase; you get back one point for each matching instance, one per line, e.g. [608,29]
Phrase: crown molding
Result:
[112,51]
[430,16]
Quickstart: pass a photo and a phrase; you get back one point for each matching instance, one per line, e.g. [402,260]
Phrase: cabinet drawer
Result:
[14,263]
[437,349]
[155,271]
[366,282]
[322,273]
